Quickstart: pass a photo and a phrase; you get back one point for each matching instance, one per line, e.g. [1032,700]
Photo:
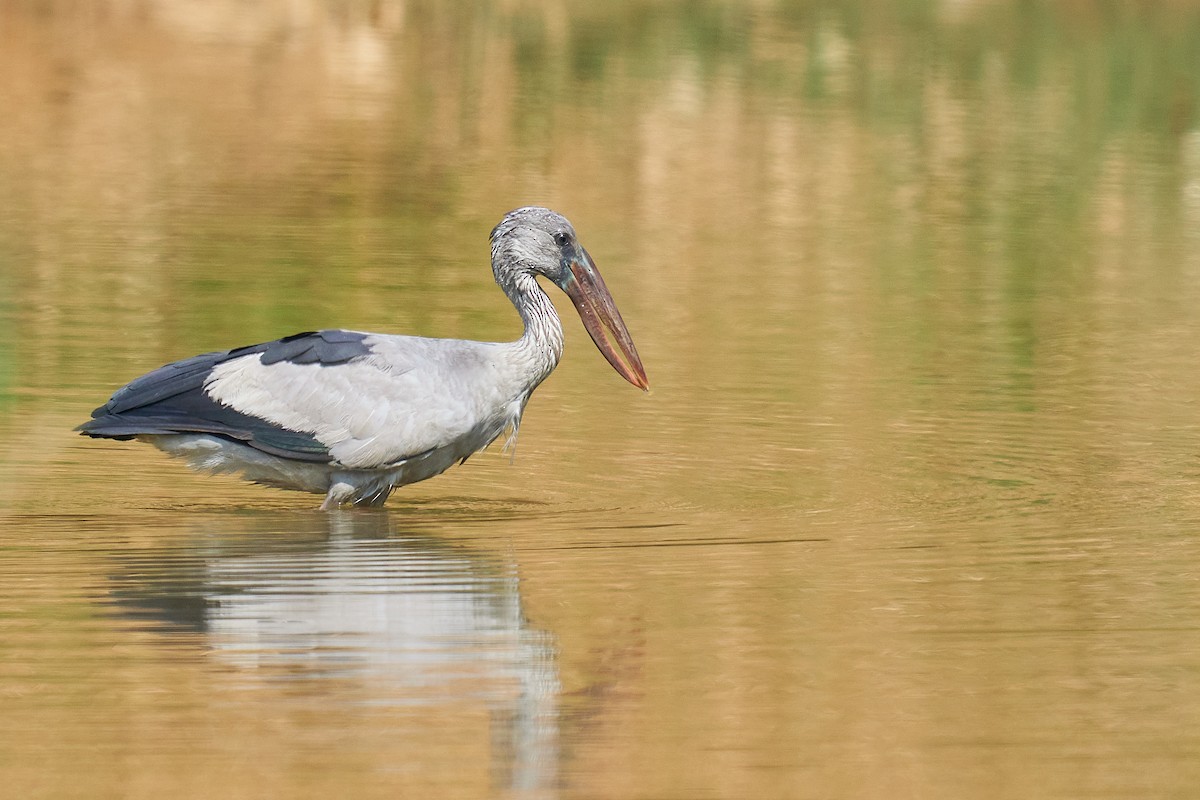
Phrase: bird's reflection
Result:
[347,598]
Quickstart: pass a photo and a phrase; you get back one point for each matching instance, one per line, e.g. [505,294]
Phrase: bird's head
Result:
[537,241]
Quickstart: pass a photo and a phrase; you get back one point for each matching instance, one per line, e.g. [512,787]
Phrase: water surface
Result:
[910,510]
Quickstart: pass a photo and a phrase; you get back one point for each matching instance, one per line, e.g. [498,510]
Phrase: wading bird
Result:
[354,415]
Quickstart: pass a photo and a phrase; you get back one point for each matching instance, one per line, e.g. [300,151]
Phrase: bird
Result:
[355,415]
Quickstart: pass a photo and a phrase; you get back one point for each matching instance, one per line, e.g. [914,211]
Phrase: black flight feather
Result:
[172,400]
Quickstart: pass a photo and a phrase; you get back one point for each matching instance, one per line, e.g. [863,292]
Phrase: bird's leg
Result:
[339,492]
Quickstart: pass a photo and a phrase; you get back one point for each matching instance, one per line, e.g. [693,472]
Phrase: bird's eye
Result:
[562,239]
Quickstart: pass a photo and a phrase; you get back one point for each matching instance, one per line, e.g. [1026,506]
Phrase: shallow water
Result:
[909,512]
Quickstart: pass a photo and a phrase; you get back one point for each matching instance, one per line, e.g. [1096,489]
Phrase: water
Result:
[910,510]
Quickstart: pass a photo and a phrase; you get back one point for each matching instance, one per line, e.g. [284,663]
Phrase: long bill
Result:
[600,316]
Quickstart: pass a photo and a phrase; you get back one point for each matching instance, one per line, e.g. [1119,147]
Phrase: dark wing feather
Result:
[323,347]
[171,399]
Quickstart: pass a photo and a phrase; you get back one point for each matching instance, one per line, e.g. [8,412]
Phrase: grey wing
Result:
[407,397]
[175,398]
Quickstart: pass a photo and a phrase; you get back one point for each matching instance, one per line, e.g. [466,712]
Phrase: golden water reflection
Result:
[910,510]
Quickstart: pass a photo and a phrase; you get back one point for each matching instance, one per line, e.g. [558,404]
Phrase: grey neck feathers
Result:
[541,345]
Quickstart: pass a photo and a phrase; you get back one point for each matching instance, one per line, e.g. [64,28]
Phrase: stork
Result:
[354,415]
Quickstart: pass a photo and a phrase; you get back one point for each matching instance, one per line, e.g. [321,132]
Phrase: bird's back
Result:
[358,400]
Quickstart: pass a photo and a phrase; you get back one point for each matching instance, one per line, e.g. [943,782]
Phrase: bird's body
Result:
[353,415]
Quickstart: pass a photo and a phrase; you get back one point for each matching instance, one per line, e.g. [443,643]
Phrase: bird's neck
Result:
[540,347]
